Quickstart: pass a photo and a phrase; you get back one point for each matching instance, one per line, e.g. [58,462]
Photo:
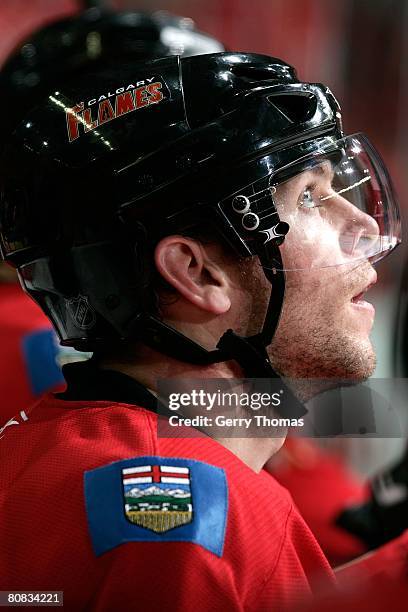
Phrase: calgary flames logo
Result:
[110,106]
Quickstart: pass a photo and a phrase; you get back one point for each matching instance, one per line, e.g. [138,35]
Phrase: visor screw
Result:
[250,222]
[241,204]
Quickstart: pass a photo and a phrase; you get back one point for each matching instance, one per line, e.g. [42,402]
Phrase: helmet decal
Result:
[81,312]
[111,105]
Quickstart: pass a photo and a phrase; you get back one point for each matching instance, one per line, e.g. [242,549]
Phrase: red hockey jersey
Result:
[94,504]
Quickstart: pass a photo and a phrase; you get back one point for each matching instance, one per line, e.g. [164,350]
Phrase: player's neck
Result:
[254,452]
[152,366]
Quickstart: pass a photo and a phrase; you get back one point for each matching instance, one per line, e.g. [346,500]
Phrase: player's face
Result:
[325,324]
[326,228]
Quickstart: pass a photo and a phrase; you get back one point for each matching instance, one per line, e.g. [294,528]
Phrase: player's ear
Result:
[186,265]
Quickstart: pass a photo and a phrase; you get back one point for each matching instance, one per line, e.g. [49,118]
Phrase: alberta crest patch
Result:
[157,497]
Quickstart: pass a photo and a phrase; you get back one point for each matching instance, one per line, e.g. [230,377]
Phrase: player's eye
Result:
[308,199]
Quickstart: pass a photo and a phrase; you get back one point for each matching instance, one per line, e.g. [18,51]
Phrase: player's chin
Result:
[362,362]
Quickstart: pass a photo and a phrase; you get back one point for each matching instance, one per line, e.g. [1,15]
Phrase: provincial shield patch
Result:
[157,497]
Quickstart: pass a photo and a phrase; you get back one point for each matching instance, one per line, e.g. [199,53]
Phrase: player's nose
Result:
[359,231]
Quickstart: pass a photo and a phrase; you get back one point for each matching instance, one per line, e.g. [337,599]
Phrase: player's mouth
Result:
[358,300]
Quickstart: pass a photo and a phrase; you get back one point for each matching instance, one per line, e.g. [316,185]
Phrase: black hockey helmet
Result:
[106,167]
[69,47]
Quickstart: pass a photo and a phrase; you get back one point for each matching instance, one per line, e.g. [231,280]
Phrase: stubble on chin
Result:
[309,376]
[318,355]
[315,342]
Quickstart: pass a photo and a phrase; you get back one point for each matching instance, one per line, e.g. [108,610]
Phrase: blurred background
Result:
[357,47]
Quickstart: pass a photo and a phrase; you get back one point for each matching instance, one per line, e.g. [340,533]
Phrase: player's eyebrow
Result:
[323,169]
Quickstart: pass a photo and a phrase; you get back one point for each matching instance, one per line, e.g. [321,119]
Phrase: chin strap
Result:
[251,355]
[169,341]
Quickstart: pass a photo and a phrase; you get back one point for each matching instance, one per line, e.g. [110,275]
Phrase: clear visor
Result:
[339,206]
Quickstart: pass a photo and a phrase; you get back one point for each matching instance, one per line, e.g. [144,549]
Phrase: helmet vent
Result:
[255,74]
[296,107]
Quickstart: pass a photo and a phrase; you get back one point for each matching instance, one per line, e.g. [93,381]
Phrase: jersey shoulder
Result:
[189,489]
[194,491]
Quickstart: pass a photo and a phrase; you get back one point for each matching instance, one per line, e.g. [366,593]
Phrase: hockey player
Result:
[162,239]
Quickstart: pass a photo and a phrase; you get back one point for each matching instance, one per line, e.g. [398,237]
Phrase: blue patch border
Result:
[109,527]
